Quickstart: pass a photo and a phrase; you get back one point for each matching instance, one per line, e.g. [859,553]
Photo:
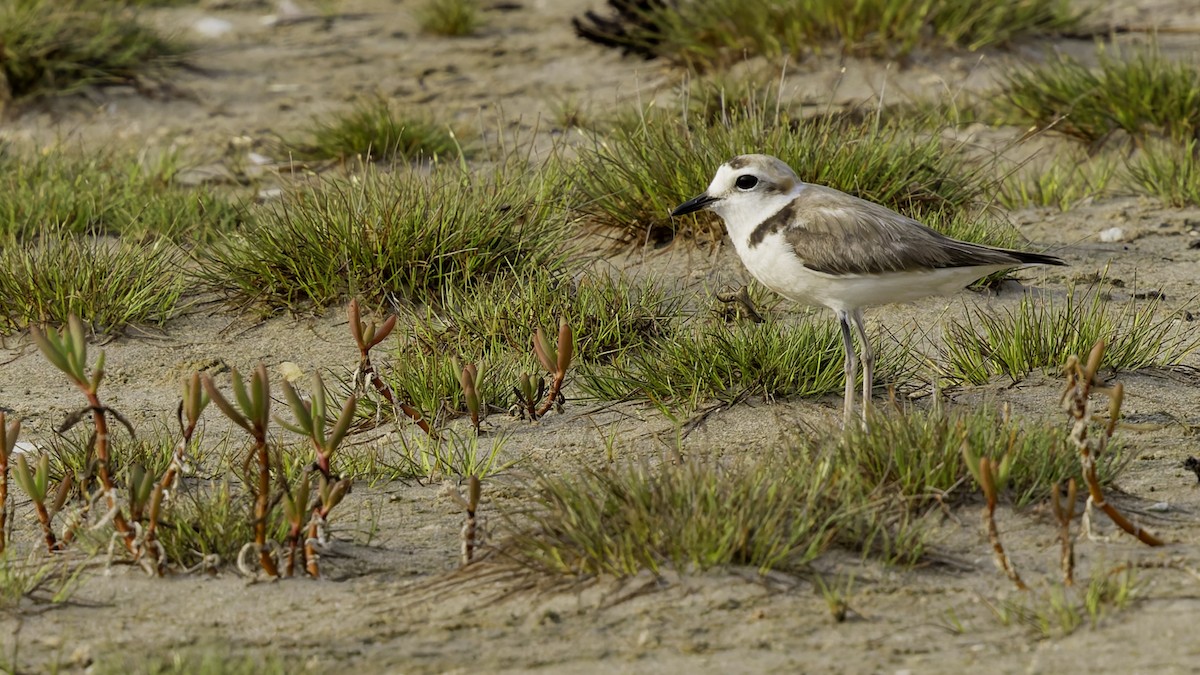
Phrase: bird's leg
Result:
[851,367]
[868,360]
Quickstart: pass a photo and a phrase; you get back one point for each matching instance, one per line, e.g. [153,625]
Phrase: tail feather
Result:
[1029,258]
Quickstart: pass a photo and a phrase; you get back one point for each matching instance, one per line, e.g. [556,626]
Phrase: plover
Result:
[819,246]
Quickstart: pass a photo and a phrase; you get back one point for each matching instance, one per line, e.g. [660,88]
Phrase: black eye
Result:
[746,182]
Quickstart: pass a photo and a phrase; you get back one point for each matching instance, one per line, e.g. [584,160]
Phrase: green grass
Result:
[392,238]
[610,315]
[58,46]
[780,507]
[108,284]
[207,660]
[1141,93]
[206,520]
[693,515]
[33,579]
[917,454]
[1064,182]
[1059,611]
[1169,171]
[628,181]
[730,363]
[716,33]
[449,18]
[106,192]
[1043,331]
[374,130]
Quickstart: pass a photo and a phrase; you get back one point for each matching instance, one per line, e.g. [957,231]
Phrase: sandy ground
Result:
[388,606]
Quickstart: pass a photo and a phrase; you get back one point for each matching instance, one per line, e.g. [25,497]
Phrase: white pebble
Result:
[1112,234]
[211,27]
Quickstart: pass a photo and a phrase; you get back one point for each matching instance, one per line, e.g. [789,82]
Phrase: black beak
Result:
[694,204]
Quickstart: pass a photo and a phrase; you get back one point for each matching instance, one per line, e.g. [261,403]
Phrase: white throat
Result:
[743,213]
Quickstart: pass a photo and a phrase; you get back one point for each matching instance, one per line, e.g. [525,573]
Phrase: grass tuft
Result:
[1068,180]
[391,238]
[1169,171]
[630,180]
[1042,332]
[108,284]
[1141,94]
[717,33]
[733,363]
[449,18]
[373,130]
[691,516]
[110,192]
[58,46]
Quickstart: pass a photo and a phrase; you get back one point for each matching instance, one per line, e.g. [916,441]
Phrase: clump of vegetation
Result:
[58,46]
[450,18]
[373,130]
[862,489]
[107,192]
[1043,332]
[629,181]
[1064,182]
[1142,94]
[392,238]
[109,284]
[734,363]
[711,34]
[1169,171]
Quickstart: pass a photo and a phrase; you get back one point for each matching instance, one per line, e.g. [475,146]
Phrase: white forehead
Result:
[765,167]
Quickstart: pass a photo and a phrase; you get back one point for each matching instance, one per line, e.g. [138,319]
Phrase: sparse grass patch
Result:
[59,46]
[917,454]
[449,18]
[720,32]
[374,130]
[1168,171]
[1058,611]
[107,283]
[864,490]
[34,578]
[111,192]
[392,238]
[609,314]
[1042,332]
[207,525]
[730,363]
[692,516]
[1063,183]
[1142,94]
[630,180]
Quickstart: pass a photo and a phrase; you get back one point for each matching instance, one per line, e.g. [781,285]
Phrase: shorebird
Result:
[819,246]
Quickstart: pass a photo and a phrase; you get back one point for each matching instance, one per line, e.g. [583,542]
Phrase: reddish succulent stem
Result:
[101,424]
[43,515]
[262,501]
[312,559]
[384,390]
[3,499]
[552,395]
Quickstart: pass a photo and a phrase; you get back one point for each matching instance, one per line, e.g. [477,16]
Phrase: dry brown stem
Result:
[1076,399]
[1065,512]
[987,480]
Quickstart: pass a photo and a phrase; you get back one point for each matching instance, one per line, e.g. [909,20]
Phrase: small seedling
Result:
[67,351]
[36,484]
[556,360]
[311,417]
[367,335]
[992,477]
[253,413]
[472,383]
